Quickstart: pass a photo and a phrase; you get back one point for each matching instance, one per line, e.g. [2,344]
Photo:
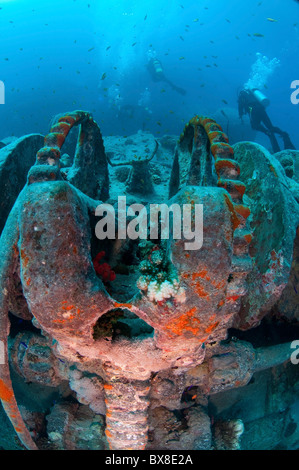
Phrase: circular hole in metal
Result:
[121,323]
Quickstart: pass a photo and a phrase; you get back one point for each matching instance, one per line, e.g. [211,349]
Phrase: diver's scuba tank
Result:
[260,97]
[157,67]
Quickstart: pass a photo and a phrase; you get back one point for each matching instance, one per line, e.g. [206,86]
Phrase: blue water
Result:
[61,55]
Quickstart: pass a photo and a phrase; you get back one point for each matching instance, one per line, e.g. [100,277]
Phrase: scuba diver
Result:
[155,69]
[253,103]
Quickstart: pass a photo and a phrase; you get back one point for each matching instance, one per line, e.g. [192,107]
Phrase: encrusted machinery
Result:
[187,298]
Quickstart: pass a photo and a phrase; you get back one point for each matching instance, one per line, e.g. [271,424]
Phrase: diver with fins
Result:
[253,102]
[155,70]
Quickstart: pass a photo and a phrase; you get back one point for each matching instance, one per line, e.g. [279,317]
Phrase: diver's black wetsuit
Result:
[260,120]
[155,69]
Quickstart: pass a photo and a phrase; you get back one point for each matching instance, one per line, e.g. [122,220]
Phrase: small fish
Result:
[159,123]
[237,37]
[107,48]
[272,20]
[208,66]
[181,58]
[222,112]
[258,35]
[91,49]
[24,344]
[195,20]
[181,37]
[226,19]
[224,101]
[145,17]
[134,43]
[212,42]
[103,76]
[162,90]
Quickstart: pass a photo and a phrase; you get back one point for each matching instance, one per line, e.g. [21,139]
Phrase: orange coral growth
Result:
[229,185]
[217,136]
[68,119]
[61,128]
[211,127]
[205,121]
[221,148]
[273,170]
[248,237]
[122,305]
[68,307]
[81,138]
[234,217]
[55,139]
[108,387]
[203,274]
[226,163]
[25,259]
[6,393]
[244,211]
[212,327]
[186,322]
[233,298]
[200,290]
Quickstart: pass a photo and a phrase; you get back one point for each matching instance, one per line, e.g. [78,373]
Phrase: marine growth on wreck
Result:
[149,284]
